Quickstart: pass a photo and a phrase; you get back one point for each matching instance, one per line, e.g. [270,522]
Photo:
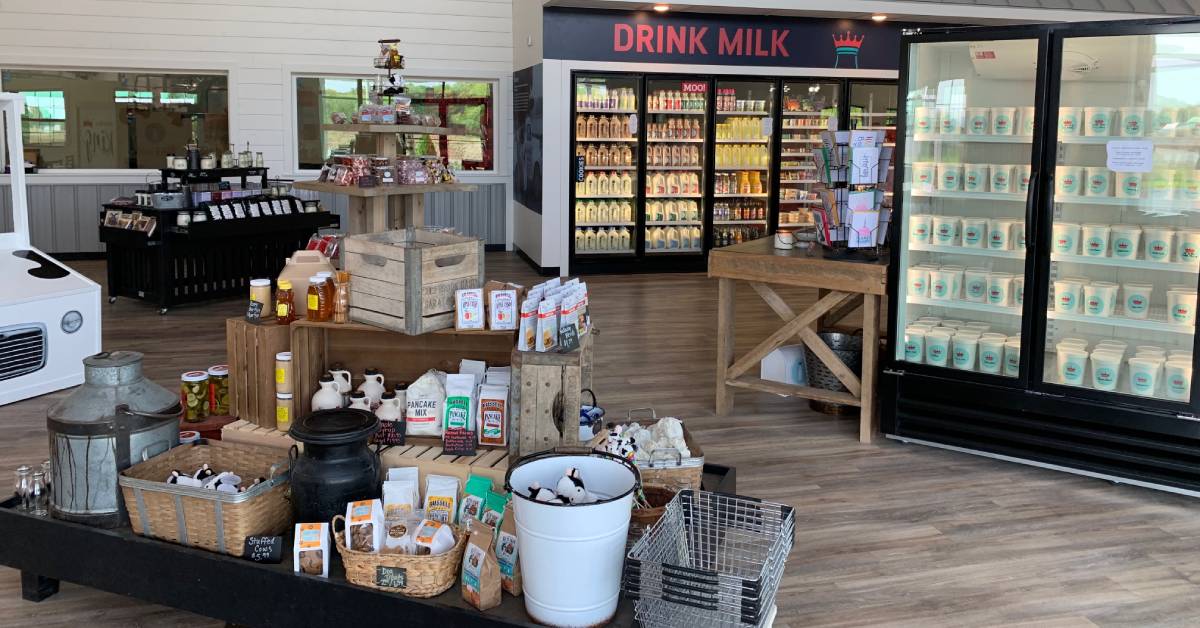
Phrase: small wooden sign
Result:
[390,432]
[254,312]
[458,442]
[391,577]
[263,549]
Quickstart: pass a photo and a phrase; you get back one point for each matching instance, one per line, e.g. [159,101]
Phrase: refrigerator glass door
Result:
[966,179]
[1124,238]
[676,116]
[606,187]
[742,164]
[808,107]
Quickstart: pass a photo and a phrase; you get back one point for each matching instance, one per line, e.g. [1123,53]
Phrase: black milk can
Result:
[337,465]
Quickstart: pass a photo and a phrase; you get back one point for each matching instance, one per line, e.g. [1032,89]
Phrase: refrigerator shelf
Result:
[1104,139]
[687,251]
[606,252]
[761,195]
[599,196]
[795,224]
[677,112]
[799,182]
[688,168]
[985,139]
[663,140]
[606,111]
[676,223]
[739,169]
[1121,262]
[749,141]
[1009,310]
[606,139]
[891,114]
[804,154]
[982,196]
[797,167]
[739,222]
[802,141]
[1139,203]
[606,223]
[1156,322]
[803,113]
[628,168]
[806,201]
[962,250]
[743,113]
[674,196]
[875,128]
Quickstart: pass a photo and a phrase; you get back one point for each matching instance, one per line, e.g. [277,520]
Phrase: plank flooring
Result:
[887,534]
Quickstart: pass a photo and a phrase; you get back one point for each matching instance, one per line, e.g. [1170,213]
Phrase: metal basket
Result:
[847,347]
[711,560]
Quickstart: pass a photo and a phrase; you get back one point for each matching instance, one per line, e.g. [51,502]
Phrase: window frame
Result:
[75,176]
[500,134]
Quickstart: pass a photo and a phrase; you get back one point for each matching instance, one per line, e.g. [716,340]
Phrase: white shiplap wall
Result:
[262,44]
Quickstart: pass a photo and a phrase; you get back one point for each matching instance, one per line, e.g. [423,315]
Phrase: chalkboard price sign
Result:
[458,442]
[263,549]
[568,339]
[391,577]
[580,168]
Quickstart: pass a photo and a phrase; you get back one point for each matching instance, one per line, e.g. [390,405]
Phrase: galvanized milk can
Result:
[117,418]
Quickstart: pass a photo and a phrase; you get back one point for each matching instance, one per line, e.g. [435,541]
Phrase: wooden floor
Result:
[886,534]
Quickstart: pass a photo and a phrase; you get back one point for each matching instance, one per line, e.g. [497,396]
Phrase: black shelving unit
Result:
[212,175]
[204,260]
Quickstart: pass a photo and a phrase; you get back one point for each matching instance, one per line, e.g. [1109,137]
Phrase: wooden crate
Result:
[491,463]
[316,347]
[250,350]
[251,434]
[405,280]
[546,398]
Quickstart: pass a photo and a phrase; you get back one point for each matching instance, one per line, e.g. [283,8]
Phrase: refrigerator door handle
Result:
[1030,209]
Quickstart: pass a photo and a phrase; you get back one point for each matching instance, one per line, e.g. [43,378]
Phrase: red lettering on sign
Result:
[644,36]
[729,46]
[759,51]
[693,87]
[676,39]
[696,40]
[659,41]
[622,37]
[777,37]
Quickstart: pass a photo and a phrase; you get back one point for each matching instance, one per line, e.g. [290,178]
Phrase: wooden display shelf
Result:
[385,207]
[383,190]
[392,128]
[843,288]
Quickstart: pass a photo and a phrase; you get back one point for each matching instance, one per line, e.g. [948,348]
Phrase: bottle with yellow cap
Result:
[285,303]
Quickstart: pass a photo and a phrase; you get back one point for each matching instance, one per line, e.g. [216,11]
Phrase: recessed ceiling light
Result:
[662,7]
[878,17]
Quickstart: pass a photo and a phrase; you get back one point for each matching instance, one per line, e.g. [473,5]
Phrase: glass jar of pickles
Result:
[193,395]
[218,390]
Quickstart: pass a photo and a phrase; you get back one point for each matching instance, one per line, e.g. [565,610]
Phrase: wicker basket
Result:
[424,576]
[205,518]
[666,467]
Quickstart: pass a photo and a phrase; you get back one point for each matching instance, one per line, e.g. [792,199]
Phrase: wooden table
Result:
[842,286]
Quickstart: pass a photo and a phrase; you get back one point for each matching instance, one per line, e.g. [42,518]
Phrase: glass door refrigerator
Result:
[604,173]
[744,114]
[805,110]
[1046,263]
[873,106]
[676,150]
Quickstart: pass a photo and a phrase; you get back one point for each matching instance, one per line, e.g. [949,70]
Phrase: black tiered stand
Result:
[204,260]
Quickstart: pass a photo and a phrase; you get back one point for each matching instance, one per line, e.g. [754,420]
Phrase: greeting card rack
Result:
[853,217]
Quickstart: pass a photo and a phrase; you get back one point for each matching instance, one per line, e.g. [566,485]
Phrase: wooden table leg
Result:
[868,422]
[725,339]
[413,208]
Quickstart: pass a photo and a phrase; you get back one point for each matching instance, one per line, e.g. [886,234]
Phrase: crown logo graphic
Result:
[848,41]
[847,45]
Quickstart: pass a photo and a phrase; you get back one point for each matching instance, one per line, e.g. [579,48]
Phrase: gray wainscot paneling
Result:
[64,218]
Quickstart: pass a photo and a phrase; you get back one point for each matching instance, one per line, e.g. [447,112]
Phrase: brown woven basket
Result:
[425,576]
[205,518]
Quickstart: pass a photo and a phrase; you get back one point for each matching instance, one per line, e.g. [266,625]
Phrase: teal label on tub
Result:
[1177,385]
[1094,305]
[1067,299]
[962,357]
[995,295]
[912,351]
[1181,313]
[1105,375]
[1157,249]
[940,288]
[1098,185]
[1002,124]
[1131,186]
[997,239]
[1064,244]
[1096,245]
[1133,124]
[976,288]
[935,352]
[989,358]
[1123,247]
[945,232]
[1000,182]
[1136,303]
[1072,372]
[1141,381]
[972,235]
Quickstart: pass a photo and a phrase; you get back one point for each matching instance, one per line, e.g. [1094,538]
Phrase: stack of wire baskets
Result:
[711,560]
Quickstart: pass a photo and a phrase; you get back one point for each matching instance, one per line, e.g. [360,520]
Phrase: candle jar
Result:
[39,497]
[21,486]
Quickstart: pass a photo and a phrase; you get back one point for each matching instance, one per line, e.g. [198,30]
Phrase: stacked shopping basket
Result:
[711,560]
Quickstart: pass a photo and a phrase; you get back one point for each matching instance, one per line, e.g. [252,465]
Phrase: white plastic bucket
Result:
[572,555]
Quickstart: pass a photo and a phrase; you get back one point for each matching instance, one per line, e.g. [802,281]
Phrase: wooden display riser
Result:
[387,207]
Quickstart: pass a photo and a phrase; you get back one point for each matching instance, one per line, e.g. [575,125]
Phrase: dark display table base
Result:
[236,590]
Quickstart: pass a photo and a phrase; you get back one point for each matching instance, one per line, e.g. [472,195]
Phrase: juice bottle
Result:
[285,305]
[580,126]
[579,242]
[589,240]
[589,184]
[602,185]
[626,185]
[591,157]
[673,184]
[314,298]
[592,128]
[626,156]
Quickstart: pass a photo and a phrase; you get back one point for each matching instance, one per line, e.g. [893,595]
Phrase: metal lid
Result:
[283,356]
[194,376]
[219,370]
[316,279]
[260,282]
[335,427]
[284,284]
[283,395]
[113,368]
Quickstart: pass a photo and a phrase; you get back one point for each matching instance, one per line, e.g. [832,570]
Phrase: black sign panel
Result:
[720,39]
